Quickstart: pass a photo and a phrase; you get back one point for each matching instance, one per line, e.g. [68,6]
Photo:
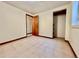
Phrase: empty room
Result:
[39,29]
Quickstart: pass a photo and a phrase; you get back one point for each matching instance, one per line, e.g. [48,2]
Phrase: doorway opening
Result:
[59,24]
[29,19]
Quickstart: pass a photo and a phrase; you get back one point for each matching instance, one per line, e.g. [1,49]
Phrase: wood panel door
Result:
[35,25]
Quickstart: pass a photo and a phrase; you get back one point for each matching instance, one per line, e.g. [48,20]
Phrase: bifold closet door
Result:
[35,25]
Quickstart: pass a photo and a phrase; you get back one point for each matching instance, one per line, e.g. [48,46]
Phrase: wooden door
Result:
[35,25]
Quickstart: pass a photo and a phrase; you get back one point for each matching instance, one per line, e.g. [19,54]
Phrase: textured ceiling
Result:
[34,7]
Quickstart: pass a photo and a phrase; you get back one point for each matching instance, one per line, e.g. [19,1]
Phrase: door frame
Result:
[58,12]
[26,23]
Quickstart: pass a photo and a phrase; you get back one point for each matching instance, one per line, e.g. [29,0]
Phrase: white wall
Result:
[46,21]
[45,24]
[12,23]
[74,41]
[29,24]
[61,21]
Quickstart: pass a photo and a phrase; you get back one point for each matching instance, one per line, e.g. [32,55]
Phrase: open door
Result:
[35,26]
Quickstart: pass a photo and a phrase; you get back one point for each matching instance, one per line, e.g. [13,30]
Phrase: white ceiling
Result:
[34,7]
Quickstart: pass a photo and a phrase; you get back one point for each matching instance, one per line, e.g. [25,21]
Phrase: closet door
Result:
[35,25]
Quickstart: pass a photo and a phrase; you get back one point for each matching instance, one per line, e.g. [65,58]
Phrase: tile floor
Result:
[36,47]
